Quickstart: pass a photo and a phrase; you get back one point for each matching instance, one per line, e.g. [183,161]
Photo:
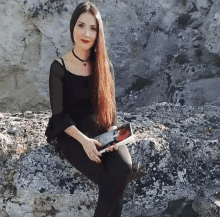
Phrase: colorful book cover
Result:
[121,135]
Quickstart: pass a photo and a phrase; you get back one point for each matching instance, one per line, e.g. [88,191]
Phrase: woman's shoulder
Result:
[59,60]
[57,67]
[64,57]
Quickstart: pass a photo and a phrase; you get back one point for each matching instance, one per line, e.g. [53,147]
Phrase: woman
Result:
[82,96]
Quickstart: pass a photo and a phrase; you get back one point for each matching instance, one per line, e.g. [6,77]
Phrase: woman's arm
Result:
[60,120]
[76,134]
[115,122]
[56,94]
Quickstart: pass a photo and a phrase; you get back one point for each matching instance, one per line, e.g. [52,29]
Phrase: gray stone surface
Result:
[176,157]
[211,29]
[153,41]
[207,202]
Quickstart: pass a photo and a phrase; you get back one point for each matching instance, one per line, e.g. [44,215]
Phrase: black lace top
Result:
[70,99]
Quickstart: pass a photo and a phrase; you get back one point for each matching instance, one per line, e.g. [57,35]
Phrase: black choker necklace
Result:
[80,59]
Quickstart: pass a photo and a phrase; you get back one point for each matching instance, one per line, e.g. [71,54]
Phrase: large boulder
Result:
[165,48]
[207,201]
[176,157]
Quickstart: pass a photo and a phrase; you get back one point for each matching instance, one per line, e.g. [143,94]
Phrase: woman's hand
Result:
[112,128]
[110,148]
[89,146]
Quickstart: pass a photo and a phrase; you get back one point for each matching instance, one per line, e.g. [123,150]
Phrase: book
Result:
[121,135]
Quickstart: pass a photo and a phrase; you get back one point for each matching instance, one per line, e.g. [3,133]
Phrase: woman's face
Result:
[85,29]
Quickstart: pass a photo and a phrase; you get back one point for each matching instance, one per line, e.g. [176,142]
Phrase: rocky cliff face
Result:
[168,49]
[175,166]
[163,51]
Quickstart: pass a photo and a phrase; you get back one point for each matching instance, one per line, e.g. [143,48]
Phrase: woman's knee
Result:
[129,166]
[126,161]
[123,168]
[120,161]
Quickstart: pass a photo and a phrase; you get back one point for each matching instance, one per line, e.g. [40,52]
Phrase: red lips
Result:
[84,41]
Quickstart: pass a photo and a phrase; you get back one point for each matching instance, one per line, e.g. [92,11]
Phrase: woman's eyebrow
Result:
[84,23]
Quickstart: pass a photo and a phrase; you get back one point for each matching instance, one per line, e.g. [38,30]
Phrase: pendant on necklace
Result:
[84,64]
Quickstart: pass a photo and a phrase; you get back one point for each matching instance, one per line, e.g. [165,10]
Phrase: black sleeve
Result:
[115,120]
[59,120]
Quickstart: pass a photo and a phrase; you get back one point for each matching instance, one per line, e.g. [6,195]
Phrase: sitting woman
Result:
[82,97]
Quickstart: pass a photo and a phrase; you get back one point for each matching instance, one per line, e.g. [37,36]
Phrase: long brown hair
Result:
[103,88]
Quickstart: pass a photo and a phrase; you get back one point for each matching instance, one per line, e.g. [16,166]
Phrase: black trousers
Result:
[112,175]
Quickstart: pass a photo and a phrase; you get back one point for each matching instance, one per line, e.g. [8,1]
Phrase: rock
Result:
[196,15]
[14,129]
[198,37]
[196,44]
[197,92]
[197,24]
[202,4]
[3,213]
[211,29]
[207,200]
[180,34]
[150,29]
[176,154]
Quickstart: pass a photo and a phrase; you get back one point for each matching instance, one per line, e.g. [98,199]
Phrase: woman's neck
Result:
[82,54]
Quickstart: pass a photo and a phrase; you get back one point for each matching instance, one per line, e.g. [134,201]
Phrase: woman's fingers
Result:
[108,148]
[95,154]
[96,159]
[89,146]
[112,147]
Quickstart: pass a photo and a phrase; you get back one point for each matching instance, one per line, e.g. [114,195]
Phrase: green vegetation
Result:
[139,84]
[198,53]
[181,59]
[184,20]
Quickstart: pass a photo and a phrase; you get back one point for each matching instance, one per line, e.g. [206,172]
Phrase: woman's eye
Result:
[94,29]
[80,25]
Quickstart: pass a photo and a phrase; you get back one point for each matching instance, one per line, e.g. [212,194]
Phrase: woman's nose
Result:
[86,32]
